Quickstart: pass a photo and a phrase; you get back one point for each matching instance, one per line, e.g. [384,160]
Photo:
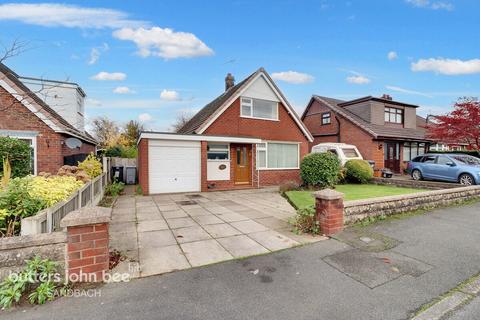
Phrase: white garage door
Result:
[174,166]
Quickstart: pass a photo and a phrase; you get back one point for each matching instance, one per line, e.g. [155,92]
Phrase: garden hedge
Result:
[358,171]
[320,170]
[19,154]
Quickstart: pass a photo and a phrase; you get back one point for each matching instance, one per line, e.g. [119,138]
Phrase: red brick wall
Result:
[231,124]
[142,164]
[50,145]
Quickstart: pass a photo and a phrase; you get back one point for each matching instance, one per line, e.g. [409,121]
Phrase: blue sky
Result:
[161,58]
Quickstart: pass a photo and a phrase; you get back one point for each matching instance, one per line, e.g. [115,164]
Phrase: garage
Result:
[174,166]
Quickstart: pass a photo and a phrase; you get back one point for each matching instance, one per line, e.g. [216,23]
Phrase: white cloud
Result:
[293,77]
[70,16]
[96,52]
[358,79]
[435,5]
[107,76]
[169,95]
[164,42]
[392,55]
[145,117]
[451,67]
[123,90]
[407,91]
[93,102]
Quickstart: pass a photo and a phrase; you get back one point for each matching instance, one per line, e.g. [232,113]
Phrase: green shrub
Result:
[305,222]
[122,152]
[114,152]
[91,166]
[320,169]
[114,189]
[19,154]
[358,171]
[129,152]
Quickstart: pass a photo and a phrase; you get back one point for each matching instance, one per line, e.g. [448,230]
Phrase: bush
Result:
[53,189]
[304,221]
[122,152]
[320,169]
[18,153]
[289,186]
[114,152]
[358,171]
[91,166]
[114,189]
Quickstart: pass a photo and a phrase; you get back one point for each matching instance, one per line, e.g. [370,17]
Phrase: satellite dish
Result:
[73,143]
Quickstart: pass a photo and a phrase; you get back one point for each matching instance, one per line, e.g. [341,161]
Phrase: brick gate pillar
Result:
[329,211]
[87,255]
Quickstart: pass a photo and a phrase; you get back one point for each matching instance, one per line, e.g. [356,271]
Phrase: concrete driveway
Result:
[165,233]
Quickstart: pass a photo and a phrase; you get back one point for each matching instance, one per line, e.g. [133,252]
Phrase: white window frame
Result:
[34,146]
[244,102]
[220,160]
[266,155]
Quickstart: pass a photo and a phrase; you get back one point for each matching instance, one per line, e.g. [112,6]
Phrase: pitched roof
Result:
[216,107]
[63,125]
[201,116]
[377,131]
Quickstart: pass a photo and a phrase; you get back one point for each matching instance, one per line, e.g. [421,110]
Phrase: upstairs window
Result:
[258,108]
[326,118]
[393,115]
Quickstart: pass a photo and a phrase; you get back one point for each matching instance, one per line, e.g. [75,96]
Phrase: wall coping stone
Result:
[87,216]
[361,202]
[32,240]
[328,194]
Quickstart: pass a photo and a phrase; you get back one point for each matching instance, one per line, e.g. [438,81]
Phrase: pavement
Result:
[172,232]
[385,271]
[470,311]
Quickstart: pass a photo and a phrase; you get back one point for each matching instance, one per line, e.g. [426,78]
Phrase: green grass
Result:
[302,199]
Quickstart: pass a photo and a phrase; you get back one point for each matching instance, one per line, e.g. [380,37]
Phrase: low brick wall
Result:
[360,209]
[422,184]
[15,250]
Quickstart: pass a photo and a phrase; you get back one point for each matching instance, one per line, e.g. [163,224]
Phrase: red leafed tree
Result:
[460,125]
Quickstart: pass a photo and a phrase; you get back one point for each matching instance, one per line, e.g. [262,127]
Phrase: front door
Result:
[243,153]
[392,156]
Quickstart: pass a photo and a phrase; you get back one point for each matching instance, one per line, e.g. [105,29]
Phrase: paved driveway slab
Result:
[165,233]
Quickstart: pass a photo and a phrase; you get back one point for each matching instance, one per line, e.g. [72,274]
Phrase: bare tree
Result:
[181,120]
[105,131]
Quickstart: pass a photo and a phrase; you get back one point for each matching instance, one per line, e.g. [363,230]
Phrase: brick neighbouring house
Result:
[385,131]
[248,137]
[24,115]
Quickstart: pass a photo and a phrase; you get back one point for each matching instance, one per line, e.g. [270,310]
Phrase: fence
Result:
[48,220]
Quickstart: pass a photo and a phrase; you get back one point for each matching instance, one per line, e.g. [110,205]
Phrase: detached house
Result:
[49,115]
[247,137]
[386,131]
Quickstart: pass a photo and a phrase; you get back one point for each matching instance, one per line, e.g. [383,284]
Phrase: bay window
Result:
[273,155]
[258,108]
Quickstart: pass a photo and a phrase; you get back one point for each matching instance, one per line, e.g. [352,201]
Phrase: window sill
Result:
[218,160]
[255,118]
[274,169]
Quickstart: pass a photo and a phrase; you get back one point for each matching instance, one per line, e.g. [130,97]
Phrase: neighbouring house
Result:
[248,137]
[386,131]
[47,114]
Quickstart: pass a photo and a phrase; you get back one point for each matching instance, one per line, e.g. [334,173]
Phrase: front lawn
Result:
[302,199]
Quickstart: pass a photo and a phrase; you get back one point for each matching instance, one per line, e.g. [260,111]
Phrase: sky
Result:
[155,60]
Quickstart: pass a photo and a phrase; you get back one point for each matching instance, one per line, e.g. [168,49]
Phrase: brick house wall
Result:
[50,145]
[142,164]
[229,123]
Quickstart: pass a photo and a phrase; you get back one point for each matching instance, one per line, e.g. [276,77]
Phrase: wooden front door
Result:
[243,156]
[392,156]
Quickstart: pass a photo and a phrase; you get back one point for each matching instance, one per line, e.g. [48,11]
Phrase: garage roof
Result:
[195,137]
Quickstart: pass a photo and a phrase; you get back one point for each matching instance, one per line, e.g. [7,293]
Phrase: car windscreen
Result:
[350,152]
[467,160]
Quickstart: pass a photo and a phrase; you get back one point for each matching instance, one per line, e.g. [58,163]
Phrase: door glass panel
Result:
[238,156]
[244,162]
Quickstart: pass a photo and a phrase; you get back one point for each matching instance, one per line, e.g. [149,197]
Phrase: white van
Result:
[343,151]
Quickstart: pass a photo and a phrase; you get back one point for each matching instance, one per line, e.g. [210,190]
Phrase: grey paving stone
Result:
[152,225]
[174,214]
[155,239]
[166,208]
[190,234]
[232,217]
[160,260]
[273,223]
[219,210]
[198,212]
[148,216]
[447,304]
[273,240]
[205,252]
[181,223]
[248,226]
[241,246]
[473,287]
[122,227]
[205,220]
[221,230]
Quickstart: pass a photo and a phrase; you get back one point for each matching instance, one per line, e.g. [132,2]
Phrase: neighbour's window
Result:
[412,149]
[429,159]
[277,155]
[326,118]
[218,151]
[350,152]
[443,160]
[393,115]
[258,108]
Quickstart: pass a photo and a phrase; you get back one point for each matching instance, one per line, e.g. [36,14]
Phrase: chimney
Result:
[387,97]
[229,81]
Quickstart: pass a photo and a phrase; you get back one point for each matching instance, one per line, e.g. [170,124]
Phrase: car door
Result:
[429,166]
[446,169]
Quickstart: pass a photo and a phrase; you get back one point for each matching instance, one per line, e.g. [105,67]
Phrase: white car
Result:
[343,151]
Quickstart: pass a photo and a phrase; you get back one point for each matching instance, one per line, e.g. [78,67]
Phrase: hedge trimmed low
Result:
[320,169]
[358,171]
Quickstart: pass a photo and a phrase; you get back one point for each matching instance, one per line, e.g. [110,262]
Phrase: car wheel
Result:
[417,175]
[466,179]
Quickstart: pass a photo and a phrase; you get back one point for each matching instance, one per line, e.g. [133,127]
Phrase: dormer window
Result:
[259,109]
[326,118]
[393,115]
